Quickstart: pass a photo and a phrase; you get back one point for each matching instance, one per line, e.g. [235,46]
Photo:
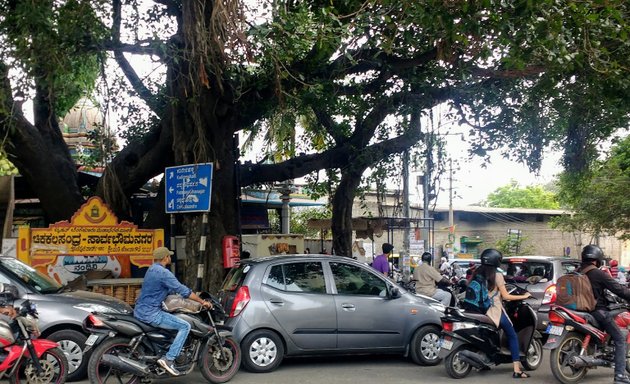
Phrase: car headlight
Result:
[95,308]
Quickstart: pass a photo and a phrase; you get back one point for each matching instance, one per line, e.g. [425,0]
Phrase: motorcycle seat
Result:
[130,318]
[589,318]
[479,317]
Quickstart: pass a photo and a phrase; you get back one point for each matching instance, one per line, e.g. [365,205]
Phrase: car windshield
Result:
[30,276]
[520,270]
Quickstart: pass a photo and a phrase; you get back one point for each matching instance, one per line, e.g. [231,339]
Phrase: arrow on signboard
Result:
[171,204]
[203,181]
[171,174]
[171,190]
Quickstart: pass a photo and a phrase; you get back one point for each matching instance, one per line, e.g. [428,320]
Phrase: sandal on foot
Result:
[520,375]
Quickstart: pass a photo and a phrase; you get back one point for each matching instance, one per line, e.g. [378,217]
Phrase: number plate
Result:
[446,344]
[91,340]
[555,330]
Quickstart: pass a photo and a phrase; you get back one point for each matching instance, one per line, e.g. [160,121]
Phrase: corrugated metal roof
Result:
[530,211]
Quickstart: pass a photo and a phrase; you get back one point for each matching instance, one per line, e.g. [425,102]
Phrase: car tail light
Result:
[555,318]
[550,295]
[447,326]
[94,321]
[240,301]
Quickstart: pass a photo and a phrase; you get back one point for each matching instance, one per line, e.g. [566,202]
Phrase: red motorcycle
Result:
[22,358]
[578,344]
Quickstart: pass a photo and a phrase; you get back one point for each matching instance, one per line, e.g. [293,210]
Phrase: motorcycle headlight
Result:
[95,308]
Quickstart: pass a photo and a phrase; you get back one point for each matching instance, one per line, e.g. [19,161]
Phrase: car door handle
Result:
[276,301]
[348,307]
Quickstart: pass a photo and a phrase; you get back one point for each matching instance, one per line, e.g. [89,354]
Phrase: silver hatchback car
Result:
[298,305]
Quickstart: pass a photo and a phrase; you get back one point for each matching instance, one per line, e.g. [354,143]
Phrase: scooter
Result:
[471,340]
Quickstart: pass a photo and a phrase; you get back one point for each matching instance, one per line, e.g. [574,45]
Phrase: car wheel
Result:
[71,344]
[262,351]
[425,346]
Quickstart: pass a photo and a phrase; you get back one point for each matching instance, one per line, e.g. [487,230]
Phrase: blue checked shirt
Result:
[158,283]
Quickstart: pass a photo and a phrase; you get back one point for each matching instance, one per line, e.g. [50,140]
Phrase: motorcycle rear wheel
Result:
[54,365]
[562,371]
[99,373]
[219,364]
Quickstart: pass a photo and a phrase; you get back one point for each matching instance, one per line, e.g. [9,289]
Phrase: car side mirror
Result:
[394,293]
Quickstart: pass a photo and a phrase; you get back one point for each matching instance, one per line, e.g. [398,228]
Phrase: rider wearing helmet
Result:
[600,281]
[426,277]
[490,261]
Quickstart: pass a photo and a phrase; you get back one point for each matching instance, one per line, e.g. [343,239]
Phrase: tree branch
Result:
[336,157]
[135,81]
[508,73]
[326,121]
[154,102]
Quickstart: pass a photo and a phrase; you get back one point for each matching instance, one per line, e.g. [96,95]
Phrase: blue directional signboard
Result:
[188,188]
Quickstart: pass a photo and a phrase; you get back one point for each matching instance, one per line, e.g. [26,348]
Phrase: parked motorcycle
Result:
[126,350]
[578,343]
[471,340]
[23,358]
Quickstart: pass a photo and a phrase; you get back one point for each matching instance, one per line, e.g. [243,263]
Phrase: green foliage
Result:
[513,196]
[103,149]
[54,43]
[301,216]
[514,246]
[6,166]
[599,196]
[299,220]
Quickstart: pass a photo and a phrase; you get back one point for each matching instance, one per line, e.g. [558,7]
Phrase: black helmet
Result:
[387,248]
[491,257]
[426,257]
[8,294]
[592,253]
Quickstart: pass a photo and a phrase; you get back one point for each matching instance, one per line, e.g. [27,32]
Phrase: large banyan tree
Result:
[356,75]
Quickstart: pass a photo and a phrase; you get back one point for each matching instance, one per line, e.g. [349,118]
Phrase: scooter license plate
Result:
[91,340]
[555,330]
[446,344]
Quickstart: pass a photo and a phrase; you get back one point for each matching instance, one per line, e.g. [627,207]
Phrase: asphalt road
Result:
[381,370]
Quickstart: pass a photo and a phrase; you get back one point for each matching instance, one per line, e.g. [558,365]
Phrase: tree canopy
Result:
[357,75]
[599,197]
[513,195]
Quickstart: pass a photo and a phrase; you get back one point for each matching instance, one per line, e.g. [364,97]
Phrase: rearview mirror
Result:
[394,293]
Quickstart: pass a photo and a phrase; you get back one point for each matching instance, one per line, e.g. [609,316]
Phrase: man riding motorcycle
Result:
[600,280]
[426,277]
[158,283]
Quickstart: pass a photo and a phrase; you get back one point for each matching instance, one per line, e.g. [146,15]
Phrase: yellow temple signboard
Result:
[93,239]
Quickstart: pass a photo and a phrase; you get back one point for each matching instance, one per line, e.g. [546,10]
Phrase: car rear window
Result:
[522,270]
[235,278]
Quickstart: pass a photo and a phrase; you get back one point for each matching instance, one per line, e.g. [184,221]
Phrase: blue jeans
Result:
[165,320]
[606,320]
[508,328]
